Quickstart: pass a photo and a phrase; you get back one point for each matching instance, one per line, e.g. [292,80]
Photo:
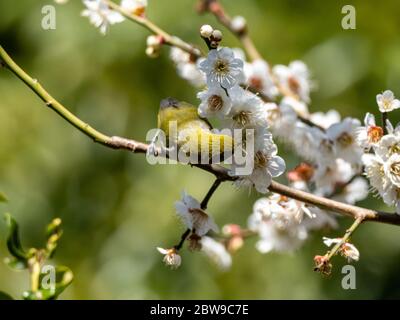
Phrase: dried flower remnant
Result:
[171,257]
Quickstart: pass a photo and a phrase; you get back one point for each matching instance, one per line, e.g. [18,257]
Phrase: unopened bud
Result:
[206,30]
[239,24]
[216,35]
[152,52]
[232,230]
[152,41]
[234,244]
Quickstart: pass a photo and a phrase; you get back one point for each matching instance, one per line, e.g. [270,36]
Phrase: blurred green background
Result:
[116,208]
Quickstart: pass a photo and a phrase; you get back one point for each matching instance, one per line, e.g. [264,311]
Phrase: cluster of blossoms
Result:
[239,109]
[223,98]
[382,152]
[283,224]
[327,143]
[200,224]
[273,101]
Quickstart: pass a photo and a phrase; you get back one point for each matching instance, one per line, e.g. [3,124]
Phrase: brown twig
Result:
[214,7]
[156,30]
[214,187]
[183,239]
[323,264]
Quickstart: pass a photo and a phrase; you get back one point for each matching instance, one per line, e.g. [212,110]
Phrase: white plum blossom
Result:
[350,252]
[247,111]
[306,143]
[330,241]
[298,209]
[370,134]
[239,54]
[171,257]
[392,169]
[193,217]
[383,168]
[383,171]
[374,171]
[216,252]
[137,7]
[295,79]
[273,238]
[191,73]
[267,208]
[325,120]
[347,249]
[387,102]
[282,120]
[214,102]
[187,68]
[259,78]
[387,146]
[267,164]
[328,177]
[344,136]
[324,148]
[390,129]
[391,196]
[100,15]
[262,208]
[222,68]
[277,221]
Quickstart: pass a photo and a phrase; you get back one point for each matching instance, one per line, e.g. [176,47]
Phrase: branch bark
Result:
[218,171]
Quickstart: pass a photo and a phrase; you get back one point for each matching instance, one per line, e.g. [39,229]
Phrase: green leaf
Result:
[53,234]
[5,296]
[3,197]
[63,278]
[13,242]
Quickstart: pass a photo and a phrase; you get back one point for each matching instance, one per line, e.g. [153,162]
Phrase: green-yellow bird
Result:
[191,133]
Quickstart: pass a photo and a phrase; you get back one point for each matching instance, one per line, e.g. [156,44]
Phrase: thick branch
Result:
[113,142]
[218,171]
